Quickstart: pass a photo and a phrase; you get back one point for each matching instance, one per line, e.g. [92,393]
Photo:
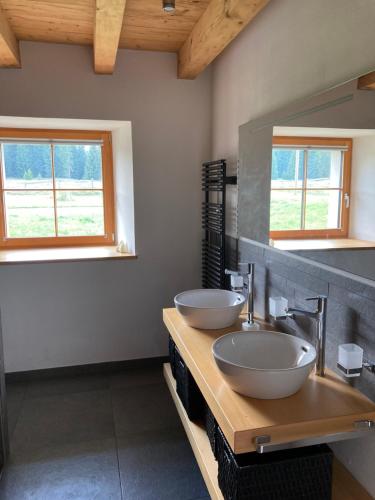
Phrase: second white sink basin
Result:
[210,308]
[264,364]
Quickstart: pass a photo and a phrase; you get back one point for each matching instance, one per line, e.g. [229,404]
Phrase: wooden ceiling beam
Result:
[109,16]
[222,21]
[367,82]
[9,48]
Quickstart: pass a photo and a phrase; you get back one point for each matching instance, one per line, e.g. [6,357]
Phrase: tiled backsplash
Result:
[359,261]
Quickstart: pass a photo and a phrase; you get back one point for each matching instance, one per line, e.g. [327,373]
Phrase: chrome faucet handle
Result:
[246,268]
[322,301]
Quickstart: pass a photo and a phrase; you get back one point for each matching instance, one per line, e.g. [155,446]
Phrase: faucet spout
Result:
[301,312]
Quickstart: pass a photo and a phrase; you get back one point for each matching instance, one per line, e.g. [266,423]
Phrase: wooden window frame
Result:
[108,193]
[345,210]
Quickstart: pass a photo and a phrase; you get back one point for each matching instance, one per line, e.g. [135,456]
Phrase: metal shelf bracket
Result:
[361,429]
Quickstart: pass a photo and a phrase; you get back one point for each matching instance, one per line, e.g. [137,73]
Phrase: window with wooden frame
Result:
[56,188]
[310,187]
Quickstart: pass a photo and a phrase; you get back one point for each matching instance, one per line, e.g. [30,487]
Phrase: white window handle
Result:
[347,200]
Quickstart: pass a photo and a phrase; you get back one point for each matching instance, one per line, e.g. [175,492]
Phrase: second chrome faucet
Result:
[247,289]
[320,316]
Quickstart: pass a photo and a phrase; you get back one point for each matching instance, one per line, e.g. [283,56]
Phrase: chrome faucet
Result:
[320,315]
[247,289]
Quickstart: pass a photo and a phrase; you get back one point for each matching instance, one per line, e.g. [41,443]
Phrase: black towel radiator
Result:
[214,182]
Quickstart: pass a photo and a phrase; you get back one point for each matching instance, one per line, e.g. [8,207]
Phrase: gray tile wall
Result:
[357,261]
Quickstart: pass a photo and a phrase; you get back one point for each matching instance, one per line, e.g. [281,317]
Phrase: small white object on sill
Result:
[122,247]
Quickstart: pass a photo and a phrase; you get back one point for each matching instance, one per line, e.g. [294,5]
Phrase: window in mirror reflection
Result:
[310,187]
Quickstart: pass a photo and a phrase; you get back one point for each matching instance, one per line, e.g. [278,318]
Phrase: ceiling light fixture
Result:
[169,6]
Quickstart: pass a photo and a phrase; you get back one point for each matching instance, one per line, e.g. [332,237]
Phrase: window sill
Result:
[322,244]
[66,254]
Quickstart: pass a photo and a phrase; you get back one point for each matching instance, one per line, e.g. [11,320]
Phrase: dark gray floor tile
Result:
[66,385]
[66,418]
[144,376]
[84,471]
[143,408]
[16,387]
[15,397]
[159,465]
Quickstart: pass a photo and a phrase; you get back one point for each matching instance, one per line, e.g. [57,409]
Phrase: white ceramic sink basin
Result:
[209,309]
[263,364]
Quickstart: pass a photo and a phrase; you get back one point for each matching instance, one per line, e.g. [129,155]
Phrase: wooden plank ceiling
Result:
[198,29]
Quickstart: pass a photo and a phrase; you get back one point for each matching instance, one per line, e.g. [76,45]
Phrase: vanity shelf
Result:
[324,406]
[344,486]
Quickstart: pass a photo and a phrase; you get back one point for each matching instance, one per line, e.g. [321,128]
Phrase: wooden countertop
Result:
[323,406]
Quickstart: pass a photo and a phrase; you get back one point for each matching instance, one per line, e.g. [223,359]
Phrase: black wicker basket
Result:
[188,391]
[299,474]
[211,428]
[172,355]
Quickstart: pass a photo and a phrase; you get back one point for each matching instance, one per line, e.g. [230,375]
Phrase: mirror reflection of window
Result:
[310,187]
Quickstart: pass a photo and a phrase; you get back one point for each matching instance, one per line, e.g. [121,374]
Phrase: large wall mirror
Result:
[307,179]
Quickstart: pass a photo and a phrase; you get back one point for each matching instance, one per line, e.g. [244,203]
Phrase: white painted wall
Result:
[362,209]
[293,49]
[76,313]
